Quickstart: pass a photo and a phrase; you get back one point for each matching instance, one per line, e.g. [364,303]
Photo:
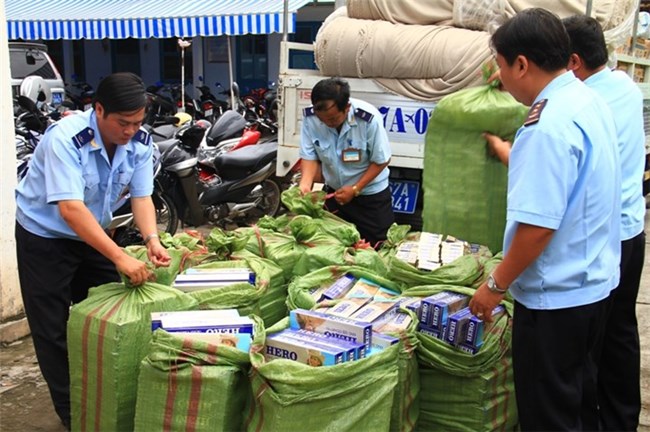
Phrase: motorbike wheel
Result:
[166,214]
[166,221]
[270,203]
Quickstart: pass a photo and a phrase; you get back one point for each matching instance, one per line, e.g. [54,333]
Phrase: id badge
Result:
[351,155]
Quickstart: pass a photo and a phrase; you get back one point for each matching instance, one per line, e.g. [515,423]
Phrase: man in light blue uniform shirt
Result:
[344,143]
[80,169]
[619,378]
[562,242]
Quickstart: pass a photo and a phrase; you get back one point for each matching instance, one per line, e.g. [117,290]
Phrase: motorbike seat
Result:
[246,158]
[165,145]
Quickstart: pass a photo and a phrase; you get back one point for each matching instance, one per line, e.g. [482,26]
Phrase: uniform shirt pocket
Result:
[92,188]
[120,185]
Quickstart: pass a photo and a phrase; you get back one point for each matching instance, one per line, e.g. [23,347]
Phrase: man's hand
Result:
[134,269]
[483,302]
[344,195]
[157,253]
[498,148]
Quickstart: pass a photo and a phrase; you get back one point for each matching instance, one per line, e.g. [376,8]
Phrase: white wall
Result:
[10,300]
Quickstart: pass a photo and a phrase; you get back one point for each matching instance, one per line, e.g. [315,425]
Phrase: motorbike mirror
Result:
[30,59]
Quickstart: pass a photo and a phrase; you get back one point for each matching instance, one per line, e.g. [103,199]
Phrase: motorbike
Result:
[232,187]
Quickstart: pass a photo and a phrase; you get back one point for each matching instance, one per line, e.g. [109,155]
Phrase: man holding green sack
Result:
[343,141]
[562,242]
[80,169]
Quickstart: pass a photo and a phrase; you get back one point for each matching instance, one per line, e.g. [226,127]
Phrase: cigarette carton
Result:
[192,315]
[355,350]
[457,326]
[363,288]
[281,346]
[330,325]
[207,325]
[427,304]
[408,252]
[477,329]
[200,279]
[431,332]
[347,307]
[468,349]
[384,294]
[241,341]
[442,308]
[410,303]
[381,342]
[339,288]
[398,323]
[375,311]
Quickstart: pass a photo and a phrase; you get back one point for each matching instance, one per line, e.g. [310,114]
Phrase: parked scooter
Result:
[235,186]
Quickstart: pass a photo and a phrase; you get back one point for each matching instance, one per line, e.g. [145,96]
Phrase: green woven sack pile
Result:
[405,411]
[191,385]
[463,392]
[108,336]
[464,187]
[266,299]
[352,396]
[338,254]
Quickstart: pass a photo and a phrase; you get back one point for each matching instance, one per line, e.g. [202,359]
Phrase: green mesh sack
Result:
[465,188]
[464,392]
[281,248]
[266,299]
[336,254]
[311,204]
[163,275]
[301,288]
[191,385]
[406,400]
[352,396]
[108,336]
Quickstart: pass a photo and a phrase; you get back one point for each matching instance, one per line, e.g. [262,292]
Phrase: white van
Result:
[31,59]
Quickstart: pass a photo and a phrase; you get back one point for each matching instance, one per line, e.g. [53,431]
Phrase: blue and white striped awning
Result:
[119,19]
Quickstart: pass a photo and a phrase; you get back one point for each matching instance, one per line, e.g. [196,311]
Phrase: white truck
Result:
[405,121]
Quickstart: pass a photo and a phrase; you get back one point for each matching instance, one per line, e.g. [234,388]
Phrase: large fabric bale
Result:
[449,58]
[464,392]
[266,299]
[464,188]
[108,336]
[352,396]
[191,385]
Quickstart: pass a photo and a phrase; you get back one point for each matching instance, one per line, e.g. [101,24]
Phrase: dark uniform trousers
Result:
[54,273]
[371,214]
[554,364]
[619,394]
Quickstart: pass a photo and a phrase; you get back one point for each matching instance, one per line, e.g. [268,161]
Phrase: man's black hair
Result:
[536,34]
[587,40]
[330,89]
[121,92]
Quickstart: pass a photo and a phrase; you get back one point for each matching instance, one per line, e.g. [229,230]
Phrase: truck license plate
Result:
[405,195]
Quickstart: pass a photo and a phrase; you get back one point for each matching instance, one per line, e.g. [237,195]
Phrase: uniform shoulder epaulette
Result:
[83,137]
[308,112]
[363,115]
[142,137]
[535,112]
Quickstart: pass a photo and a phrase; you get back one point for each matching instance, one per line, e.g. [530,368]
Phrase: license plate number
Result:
[405,195]
[208,112]
[57,98]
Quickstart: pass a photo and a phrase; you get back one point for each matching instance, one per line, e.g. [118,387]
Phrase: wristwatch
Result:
[492,285]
